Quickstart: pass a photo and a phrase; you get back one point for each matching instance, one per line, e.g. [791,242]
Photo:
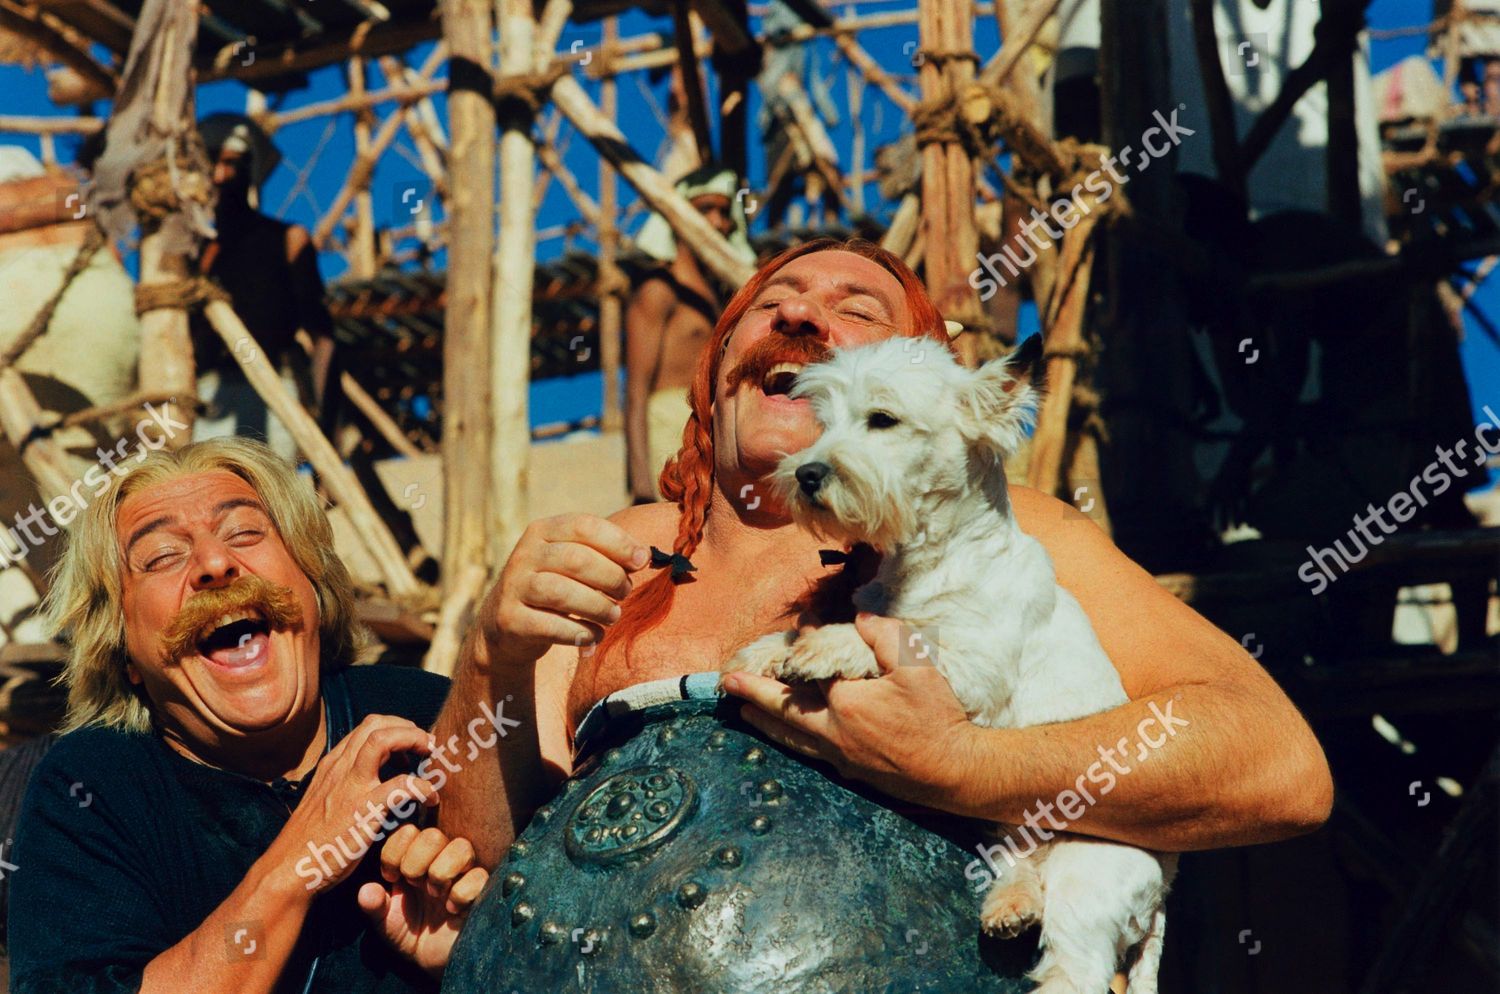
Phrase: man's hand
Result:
[903,732]
[434,881]
[561,585]
[347,794]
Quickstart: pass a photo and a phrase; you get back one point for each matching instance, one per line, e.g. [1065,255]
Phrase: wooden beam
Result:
[404,94]
[951,243]
[554,165]
[611,304]
[467,420]
[692,80]
[364,164]
[1012,47]
[20,417]
[515,273]
[23,124]
[711,248]
[365,39]
[58,40]
[362,241]
[388,556]
[861,59]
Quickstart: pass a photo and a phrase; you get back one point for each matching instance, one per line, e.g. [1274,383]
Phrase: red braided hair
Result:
[688,478]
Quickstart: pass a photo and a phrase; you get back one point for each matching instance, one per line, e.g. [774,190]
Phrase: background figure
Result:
[670,316]
[270,270]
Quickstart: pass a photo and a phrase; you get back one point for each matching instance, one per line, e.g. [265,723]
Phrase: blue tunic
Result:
[126,846]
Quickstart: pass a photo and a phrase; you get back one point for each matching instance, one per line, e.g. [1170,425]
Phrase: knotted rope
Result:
[164,186]
[525,93]
[180,295]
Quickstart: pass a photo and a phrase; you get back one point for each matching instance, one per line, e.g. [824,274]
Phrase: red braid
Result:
[687,479]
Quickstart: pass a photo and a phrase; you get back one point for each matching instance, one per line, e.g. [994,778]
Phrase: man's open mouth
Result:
[236,639]
[780,378]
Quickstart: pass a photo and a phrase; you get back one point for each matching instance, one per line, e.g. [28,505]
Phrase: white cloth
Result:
[656,238]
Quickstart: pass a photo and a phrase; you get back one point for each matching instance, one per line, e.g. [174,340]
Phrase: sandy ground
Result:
[583,473]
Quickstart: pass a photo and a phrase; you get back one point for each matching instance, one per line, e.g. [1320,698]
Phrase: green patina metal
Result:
[688,854]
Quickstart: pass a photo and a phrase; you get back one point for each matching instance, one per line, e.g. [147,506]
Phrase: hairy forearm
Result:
[489,794]
[1195,766]
[243,946]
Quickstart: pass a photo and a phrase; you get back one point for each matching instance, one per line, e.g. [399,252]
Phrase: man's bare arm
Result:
[645,326]
[488,799]
[560,587]
[1243,768]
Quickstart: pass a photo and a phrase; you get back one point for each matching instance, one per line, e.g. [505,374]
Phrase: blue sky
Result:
[398,173]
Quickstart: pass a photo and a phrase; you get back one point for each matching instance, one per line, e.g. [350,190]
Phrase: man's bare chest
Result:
[705,627]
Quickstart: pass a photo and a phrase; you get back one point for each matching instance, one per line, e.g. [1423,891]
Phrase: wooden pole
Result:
[857,149]
[421,128]
[692,228]
[467,420]
[692,80]
[610,304]
[166,358]
[362,245]
[20,415]
[514,274]
[1013,46]
[364,164]
[1062,325]
[951,241]
[388,557]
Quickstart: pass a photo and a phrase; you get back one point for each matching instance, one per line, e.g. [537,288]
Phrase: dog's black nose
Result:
[811,476]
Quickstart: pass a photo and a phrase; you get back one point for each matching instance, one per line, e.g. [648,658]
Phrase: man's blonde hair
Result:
[84,600]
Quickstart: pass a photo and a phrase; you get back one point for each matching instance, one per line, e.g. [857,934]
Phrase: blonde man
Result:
[205,821]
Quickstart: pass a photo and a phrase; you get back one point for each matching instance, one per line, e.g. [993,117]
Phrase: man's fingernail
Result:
[639,557]
[731,684]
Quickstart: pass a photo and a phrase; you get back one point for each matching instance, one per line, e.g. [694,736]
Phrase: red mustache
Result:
[772,349]
[277,605]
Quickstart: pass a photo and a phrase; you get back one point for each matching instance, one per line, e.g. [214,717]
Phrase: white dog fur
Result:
[912,454]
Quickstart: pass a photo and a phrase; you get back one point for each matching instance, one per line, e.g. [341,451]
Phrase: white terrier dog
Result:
[911,461]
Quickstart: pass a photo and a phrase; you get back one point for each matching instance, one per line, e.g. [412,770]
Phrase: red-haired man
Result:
[572,580]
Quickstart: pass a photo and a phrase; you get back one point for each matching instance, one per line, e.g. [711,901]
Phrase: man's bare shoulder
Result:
[1058,525]
[654,524]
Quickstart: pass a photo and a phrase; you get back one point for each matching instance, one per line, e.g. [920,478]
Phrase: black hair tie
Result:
[832,557]
[680,564]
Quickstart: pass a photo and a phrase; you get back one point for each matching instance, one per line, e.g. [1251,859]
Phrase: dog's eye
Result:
[881,419]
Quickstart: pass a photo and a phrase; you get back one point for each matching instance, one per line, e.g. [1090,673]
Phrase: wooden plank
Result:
[515,273]
[388,556]
[467,30]
[693,228]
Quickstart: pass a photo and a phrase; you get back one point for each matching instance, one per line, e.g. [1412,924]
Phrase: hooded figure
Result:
[270,270]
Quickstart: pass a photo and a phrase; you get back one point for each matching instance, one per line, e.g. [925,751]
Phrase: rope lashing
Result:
[525,93]
[942,56]
[180,295]
[164,186]
[966,119]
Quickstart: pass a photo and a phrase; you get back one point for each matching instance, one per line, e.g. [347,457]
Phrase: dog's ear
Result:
[999,401]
